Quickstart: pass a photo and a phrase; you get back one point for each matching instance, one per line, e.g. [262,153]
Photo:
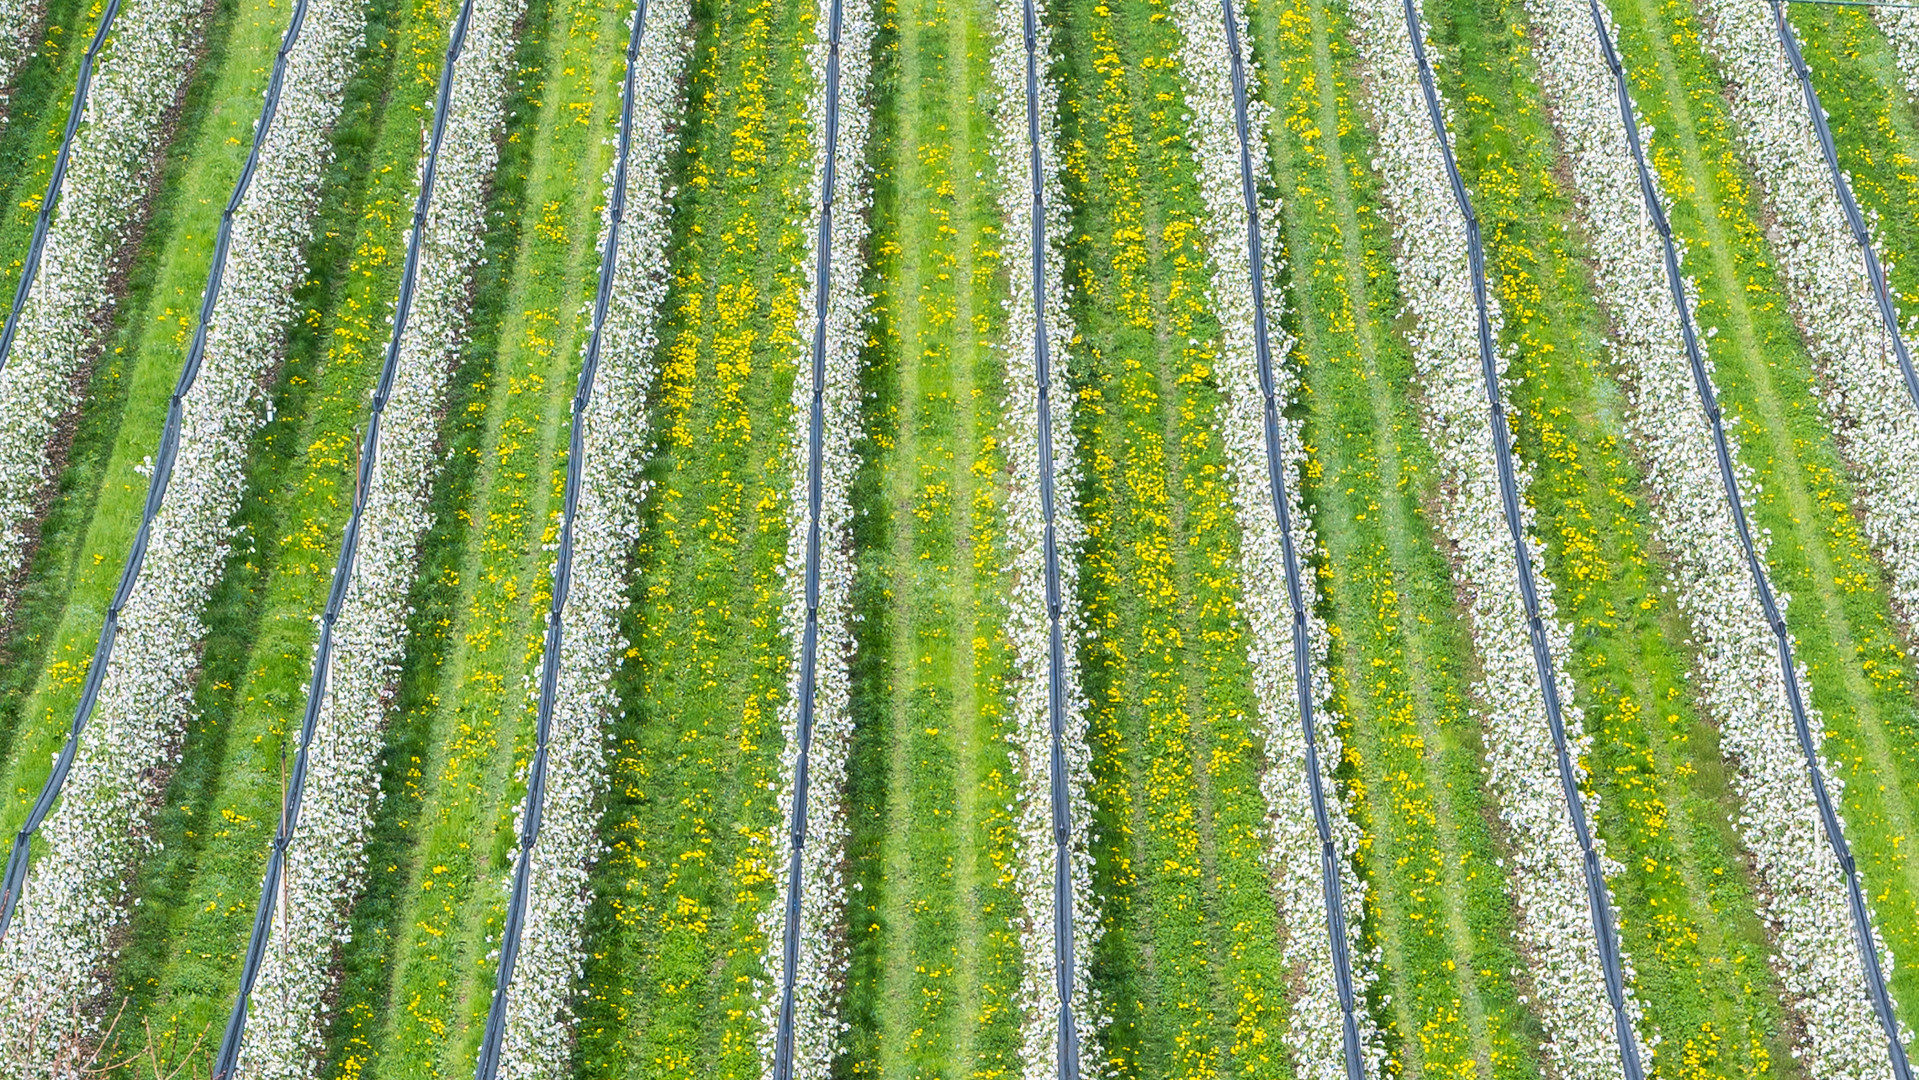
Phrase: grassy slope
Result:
[932,962]
[40,103]
[1685,910]
[203,934]
[1861,679]
[96,500]
[1189,929]
[676,948]
[1401,663]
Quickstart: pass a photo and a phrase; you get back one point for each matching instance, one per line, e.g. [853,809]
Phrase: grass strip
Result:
[921,908]
[37,111]
[1193,962]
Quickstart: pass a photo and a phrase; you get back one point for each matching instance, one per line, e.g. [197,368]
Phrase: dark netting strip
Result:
[809,641]
[1598,900]
[1063,960]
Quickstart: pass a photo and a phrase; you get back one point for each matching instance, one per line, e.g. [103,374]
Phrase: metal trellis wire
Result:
[1598,900]
[1063,960]
[809,642]
[227,1060]
[488,1065]
[16,872]
[30,269]
[1729,483]
[1330,884]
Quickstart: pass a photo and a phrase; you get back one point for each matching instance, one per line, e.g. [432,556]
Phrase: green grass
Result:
[423,949]
[37,601]
[162,959]
[35,114]
[920,974]
[37,105]
[1191,968]
[73,551]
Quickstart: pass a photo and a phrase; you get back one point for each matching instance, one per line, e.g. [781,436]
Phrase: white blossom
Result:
[539,1014]
[75,900]
[1801,886]
[1901,26]
[820,965]
[1315,1023]
[21,24]
[1027,628]
[1554,926]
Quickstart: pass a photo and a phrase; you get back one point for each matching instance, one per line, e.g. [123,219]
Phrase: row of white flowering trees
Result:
[606,525]
[54,956]
[1901,25]
[115,162]
[1314,1028]
[1740,678]
[326,858]
[1555,931]
[1025,106]
[801,1006]
[1875,423]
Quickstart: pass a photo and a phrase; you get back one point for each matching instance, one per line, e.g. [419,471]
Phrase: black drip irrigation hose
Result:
[30,270]
[227,1061]
[16,872]
[1276,486]
[488,1065]
[809,641]
[1729,481]
[1876,274]
[1598,901]
[1056,689]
